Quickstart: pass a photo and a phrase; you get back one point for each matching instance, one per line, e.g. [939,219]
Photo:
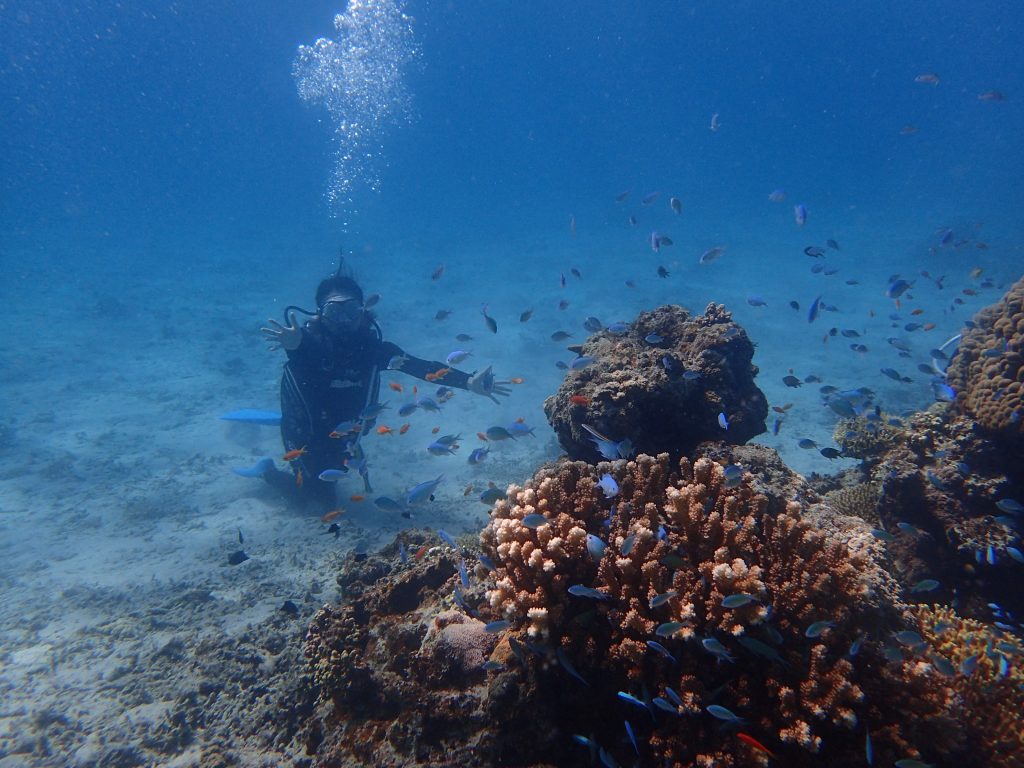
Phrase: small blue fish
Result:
[595,547]
[869,752]
[756,301]
[942,665]
[664,597]
[423,492]
[447,538]
[909,638]
[911,763]
[492,495]
[669,628]
[403,553]
[631,699]
[487,563]
[520,429]
[800,214]
[812,313]
[664,705]
[653,338]
[654,645]
[478,455]
[738,600]
[716,649]
[536,520]
[387,504]
[407,409]
[332,475]
[438,448]
[563,659]
[580,362]
[723,422]
[897,288]
[817,628]
[968,665]
[609,449]
[856,645]
[733,475]
[495,627]
[493,666]
[925,585]
[499,433]
[463,573]
[632,736]
[1010,506]
[627,544]
[878,533]
[673,696]
[716,710]
[578,590]
[609,486]
[373,410]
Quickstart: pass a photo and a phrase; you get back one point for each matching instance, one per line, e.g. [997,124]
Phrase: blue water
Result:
[169,144]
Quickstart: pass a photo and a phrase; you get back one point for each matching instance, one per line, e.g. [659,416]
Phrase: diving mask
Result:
[342,314]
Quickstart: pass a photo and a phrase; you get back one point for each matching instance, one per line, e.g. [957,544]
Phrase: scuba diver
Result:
[330,386]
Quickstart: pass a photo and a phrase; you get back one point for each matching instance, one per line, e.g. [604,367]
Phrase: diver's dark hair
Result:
[341,281]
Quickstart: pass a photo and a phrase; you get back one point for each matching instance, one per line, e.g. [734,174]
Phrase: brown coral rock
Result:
[662,565]
[987,371]
[666,395]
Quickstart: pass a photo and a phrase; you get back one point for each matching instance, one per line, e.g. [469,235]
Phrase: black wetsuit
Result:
[327,382]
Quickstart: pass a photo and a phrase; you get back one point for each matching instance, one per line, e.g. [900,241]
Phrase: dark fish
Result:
[489,321]
[832,244]
[525,315]
[237,558]
[649,198]
[240,539]
[814,251]
[830,453]
[850,334]
[463,337]
[795,305]
[576,273]
[662,272]
[560,336]
[442,314]
[289,608]
[812,313]
[621,197]
[332,528]
[800,214]
[792,381]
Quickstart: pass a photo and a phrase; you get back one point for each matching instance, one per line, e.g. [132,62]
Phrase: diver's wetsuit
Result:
[327,382]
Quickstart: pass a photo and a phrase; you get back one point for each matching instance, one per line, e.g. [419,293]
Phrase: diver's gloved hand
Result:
[485,384]
[286,337]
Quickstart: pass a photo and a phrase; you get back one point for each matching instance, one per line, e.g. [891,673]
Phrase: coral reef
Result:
[993,692]
[939,489]
[859,500]
[987,371]
[662,382]
[861,437]
[694,560]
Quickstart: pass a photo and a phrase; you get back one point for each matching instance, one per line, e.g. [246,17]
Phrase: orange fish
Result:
[517,380]
[440,373]
[579,400]
[482,436]
[404,428]
[292,455]
[918,311]
[384,429]
[748,739]
[298,478]
[396,386]
[331,515]
[420,552]
[357,497]
[927,326]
